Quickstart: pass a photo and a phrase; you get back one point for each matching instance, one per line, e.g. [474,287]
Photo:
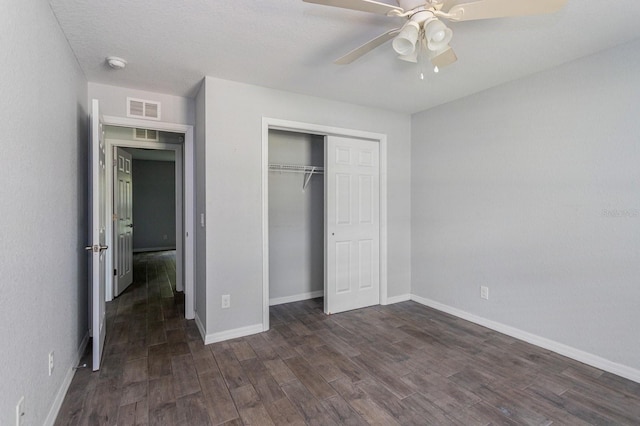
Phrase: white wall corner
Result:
[201,329]
[233,334]
[559,348]
[397,299]
[64,387]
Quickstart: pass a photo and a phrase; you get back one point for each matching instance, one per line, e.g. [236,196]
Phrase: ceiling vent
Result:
[139,108]
[145,135]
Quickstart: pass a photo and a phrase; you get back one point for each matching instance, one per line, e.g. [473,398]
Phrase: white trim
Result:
[147,249]
[296,297]
[232,334]
[397,299]
[265,223]
[560,348]
[64,387]
[300,127]
[188,174]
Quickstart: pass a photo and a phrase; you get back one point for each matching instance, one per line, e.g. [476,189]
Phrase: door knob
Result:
[96,248]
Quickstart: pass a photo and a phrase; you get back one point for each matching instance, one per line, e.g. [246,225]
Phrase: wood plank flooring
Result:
[387,365]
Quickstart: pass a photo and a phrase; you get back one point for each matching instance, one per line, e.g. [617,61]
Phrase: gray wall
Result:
[154,205]
[296,217]
[43,169]
[233,115]
[533,189]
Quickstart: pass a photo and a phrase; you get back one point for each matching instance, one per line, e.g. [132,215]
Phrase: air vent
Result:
[145,135]
[139,108]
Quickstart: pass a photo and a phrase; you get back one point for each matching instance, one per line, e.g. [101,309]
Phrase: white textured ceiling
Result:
[290,45]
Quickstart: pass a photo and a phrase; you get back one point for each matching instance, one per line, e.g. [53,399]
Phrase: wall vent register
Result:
[145,135]
[140,108]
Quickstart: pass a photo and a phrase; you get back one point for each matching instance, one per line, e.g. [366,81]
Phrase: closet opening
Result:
[296,195]
[323,216]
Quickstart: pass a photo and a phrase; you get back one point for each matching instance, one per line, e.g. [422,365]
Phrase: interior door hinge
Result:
[115,272]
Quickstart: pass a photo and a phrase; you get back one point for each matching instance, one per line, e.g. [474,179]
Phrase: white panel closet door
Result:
[123,203]
[352,218]
[97,206]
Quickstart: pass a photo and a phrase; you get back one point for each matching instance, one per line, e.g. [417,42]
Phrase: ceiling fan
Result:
[424,34]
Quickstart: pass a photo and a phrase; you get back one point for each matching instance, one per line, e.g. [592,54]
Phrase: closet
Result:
[296,216]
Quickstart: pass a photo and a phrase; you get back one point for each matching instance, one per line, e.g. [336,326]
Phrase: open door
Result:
[352,218]
[97,234]
[123,221]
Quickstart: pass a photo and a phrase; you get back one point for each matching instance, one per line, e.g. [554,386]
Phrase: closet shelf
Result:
[295,168]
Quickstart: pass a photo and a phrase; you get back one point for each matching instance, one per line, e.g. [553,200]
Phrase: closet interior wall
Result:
[296,219]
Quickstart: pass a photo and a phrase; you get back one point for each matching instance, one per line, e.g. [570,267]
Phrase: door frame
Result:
[316,129]
[179,178]
[187,165]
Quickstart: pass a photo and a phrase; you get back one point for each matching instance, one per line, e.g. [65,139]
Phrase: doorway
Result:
[361,148]
[159,147]
[145,202]
[183,146]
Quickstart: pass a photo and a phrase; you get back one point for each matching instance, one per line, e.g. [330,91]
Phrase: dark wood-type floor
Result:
[387,365]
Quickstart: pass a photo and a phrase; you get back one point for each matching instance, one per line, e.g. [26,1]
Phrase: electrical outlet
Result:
[51,363]
[20,412]
[484,292]
[164,237]
[226,301]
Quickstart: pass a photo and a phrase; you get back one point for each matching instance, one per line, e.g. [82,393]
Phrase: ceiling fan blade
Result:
[361,5]
[486,9]
[367,47]
[444,58]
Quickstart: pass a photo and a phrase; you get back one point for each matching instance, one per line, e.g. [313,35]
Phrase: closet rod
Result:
[294,168]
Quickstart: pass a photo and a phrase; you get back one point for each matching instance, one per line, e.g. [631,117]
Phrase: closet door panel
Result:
[352,240]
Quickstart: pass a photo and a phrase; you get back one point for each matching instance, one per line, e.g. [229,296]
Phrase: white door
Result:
[97,234]
[123,221]
[352,224]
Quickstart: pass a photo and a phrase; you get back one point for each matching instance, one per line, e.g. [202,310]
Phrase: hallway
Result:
[145,330]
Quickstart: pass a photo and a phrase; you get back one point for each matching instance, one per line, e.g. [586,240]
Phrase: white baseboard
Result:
[397,299]
[296,297]
[233,334]
[146,249]
[559,348]
[62,391]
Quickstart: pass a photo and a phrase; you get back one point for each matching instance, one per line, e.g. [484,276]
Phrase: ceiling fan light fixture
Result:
[437,34]
[405,42]
[411,57]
